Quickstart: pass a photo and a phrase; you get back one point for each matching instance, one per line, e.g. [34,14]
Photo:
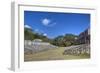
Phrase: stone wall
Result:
[77,50]
[38,47]
[84,37]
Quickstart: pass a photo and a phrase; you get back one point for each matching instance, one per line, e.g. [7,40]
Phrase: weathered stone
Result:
[77,50]
[37,46]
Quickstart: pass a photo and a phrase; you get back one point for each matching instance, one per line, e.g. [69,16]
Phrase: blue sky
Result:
[53,24]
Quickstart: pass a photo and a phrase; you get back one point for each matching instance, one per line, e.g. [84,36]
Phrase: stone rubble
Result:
[77,49]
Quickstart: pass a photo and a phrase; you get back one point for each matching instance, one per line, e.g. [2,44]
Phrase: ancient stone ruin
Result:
[37,46]
[77,50]
[83,48]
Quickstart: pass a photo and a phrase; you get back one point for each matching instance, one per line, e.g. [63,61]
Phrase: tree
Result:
[28,34]
[63,41]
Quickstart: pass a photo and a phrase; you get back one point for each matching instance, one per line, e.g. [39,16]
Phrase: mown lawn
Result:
[53,54]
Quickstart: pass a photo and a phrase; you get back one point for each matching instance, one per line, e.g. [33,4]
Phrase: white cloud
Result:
[27,26]
[52,24]
[46,21]
[45,34]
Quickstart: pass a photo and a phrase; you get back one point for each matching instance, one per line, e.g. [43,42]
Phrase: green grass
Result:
[53,54]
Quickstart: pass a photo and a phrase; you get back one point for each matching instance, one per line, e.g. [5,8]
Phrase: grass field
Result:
[53,54]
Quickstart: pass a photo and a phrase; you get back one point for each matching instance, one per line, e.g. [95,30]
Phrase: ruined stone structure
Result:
[37,45]
[84,37]
[77,50]
[83,48]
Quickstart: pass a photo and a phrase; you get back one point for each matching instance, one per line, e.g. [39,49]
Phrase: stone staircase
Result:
[29,49]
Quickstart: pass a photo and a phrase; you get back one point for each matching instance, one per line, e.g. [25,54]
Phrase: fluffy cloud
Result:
[45,34]
[46,21]
[27,26]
